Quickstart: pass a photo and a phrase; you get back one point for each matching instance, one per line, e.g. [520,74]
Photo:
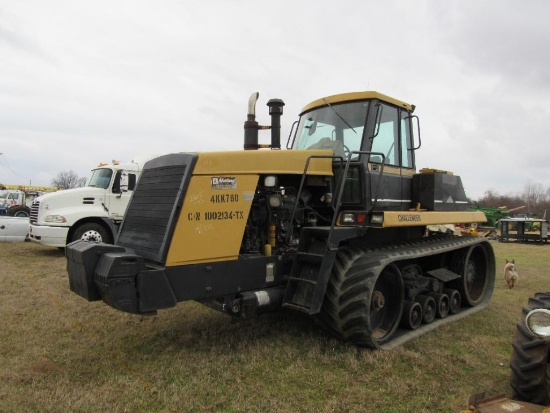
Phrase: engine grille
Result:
[153,211]
[34,212]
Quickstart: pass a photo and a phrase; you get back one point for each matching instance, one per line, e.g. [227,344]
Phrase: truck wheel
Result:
[19,211]
[530,369]
[360,306]
[92,232]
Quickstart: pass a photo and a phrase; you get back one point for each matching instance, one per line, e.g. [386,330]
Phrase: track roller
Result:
[428,308]
[454,300]
[412,315]
[441,304]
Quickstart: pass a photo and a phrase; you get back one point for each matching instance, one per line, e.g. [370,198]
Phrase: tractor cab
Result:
[374,132]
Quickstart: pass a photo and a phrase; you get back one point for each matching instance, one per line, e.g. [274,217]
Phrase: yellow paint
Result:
[392,170]
[346,97]
[263,162]
[422,218]
[211,223]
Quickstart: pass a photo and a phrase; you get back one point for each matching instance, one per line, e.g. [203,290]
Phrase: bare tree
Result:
[68,180]
[534,194]
[82,181]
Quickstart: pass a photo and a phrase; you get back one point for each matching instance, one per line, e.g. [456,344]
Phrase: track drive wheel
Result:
[477,274]
[361,306]
[530,369]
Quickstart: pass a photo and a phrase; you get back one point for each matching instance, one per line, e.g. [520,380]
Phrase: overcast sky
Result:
[87,82]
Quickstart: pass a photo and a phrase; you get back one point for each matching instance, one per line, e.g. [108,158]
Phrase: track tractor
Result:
[333,227]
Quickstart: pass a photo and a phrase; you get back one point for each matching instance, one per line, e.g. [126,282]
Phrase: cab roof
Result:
[347,97]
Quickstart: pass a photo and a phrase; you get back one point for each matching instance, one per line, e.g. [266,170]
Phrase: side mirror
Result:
[312,128]
[124,182]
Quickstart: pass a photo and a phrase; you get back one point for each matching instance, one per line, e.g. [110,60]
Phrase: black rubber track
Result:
[529,377]
[346,308]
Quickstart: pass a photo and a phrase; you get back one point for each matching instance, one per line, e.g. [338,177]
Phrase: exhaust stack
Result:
[251,127]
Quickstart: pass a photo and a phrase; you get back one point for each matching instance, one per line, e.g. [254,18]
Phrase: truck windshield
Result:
[100,178]
[338,127]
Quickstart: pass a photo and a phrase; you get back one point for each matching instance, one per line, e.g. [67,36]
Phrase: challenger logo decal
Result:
[409,218]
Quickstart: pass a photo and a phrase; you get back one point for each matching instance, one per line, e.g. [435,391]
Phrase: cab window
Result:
[393,137]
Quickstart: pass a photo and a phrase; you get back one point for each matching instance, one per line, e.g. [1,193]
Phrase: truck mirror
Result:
[124,182]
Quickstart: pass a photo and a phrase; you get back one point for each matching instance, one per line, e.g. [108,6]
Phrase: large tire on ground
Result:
[474,267]
[19,211]
[360,306]
[530,368]
[92,231]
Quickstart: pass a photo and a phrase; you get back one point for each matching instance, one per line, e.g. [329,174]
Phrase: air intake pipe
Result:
[275,111]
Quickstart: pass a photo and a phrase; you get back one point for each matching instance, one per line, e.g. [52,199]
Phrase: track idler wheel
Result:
[441,304]
[428,308]
[477,274]
[412,315]
[454,300]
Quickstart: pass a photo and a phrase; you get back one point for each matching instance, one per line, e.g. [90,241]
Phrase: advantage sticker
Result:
[224,182]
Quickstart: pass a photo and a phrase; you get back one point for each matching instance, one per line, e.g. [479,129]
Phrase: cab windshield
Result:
[338,127]
[100,178]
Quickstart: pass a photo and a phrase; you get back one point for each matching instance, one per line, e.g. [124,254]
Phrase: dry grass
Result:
[60,353]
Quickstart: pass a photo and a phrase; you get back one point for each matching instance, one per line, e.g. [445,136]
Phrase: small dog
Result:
[510,274]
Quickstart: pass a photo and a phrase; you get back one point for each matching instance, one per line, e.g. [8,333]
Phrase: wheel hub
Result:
[92,236]
[378,301]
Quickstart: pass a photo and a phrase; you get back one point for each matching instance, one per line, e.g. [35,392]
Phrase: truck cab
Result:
[92,212]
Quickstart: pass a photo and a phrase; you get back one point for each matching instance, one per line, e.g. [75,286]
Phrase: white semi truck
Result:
[16,200]
[92,212]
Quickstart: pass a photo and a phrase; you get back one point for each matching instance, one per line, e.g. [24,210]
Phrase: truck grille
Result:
[34,212]
[153,211]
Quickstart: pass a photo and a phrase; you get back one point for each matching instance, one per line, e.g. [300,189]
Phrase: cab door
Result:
[122,189]
[391,166]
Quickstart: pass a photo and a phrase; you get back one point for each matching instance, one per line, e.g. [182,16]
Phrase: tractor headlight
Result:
[275,201]
[538,322]
[377,218]
[270,181]
[348,218]
[58,219]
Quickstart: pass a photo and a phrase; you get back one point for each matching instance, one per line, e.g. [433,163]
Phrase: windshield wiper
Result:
[341,118]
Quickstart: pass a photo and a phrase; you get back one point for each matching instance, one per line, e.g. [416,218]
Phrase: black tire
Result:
[19,211]
[360,306]
[530,369]
[474,267]
[92,232]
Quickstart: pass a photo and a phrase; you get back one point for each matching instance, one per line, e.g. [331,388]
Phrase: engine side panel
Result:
[213,218]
